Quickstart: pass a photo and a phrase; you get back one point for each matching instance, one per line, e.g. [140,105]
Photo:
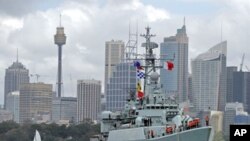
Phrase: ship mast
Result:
[149,56]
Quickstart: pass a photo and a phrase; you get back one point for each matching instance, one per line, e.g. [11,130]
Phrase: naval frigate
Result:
[152,116]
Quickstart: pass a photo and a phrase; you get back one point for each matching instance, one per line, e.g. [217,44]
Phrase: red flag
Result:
[170,65]
[140,94]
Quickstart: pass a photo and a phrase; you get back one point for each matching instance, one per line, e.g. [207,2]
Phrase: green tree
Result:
[16,135]
[10,131]
[7,125]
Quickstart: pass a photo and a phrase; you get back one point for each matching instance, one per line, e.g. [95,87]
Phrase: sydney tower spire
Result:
[60,40]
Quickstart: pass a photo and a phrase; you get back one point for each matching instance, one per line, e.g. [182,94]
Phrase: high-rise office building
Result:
[88,99]
[122,82]
[114,53]
[12,104]
[35,102]
[230,71]
[64,108]
[241,89]
[190,91]
[175,82]
[209,79]
[15,75]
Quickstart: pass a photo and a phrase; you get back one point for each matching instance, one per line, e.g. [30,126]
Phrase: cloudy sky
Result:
[30,25]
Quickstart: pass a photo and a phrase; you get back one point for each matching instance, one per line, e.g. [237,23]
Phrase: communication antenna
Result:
[17,55]
[131,48]
[60,40]
[221,32]
[60,22]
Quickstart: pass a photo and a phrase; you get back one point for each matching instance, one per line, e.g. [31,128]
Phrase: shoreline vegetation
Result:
[11,131]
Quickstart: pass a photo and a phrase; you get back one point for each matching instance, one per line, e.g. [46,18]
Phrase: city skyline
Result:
[31,29]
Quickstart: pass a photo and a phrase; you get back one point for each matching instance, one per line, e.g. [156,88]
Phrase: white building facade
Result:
[209,79]
[88,99]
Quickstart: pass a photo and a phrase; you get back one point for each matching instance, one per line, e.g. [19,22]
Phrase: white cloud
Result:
[76,15]
[11,23]
[88,25]
[154,14]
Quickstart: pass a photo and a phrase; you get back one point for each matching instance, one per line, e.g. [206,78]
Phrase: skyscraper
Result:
[88,99]
[114,53]
[230,72]
[122,82]
[175,82]
[35,101]
[15,75]
[209,79]
[241,89]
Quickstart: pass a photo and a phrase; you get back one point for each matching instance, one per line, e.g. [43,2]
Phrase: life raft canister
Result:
[169,129]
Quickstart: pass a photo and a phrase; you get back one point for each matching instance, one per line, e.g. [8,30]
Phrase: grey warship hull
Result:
[189,135]
[139,134]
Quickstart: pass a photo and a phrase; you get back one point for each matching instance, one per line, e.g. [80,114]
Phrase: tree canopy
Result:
[11,131]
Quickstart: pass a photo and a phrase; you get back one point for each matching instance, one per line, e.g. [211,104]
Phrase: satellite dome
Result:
[154,76]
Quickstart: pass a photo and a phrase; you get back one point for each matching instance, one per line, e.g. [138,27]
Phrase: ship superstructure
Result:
[152,116]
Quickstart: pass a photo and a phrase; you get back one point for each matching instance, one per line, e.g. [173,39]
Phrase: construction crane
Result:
[242,62]
[247,68]
[35,75]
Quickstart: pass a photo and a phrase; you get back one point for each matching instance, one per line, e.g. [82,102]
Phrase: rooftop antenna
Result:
[60,21]
[17,55]
[184,21]
[221,32]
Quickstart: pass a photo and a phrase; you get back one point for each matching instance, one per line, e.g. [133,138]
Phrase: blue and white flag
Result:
[140,74]
[137,64]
